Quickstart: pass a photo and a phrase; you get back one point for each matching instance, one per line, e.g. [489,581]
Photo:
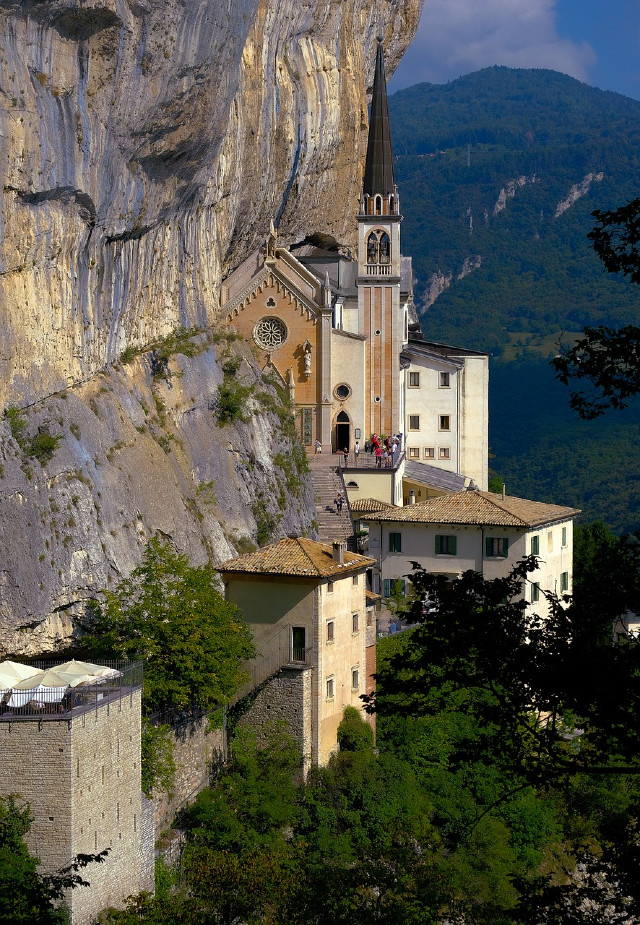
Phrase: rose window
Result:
[270,333]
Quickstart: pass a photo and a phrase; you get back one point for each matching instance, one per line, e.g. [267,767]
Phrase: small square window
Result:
[330,631]
[414,380]
[355,679]
[535,545]
[444,381]
[330,689]
[395,542]
[564,581]
[444,452]
[535,592]
[414,422]
[355,622]
[414,452]
[444,422]
[429,452]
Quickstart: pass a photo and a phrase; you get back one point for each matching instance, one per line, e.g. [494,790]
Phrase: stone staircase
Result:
[327,484]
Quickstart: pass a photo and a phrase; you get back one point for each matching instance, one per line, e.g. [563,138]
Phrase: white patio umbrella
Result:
[93,672]
[48,687]
[10,672]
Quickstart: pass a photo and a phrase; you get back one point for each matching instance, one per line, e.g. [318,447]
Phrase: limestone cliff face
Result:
[144,148]
[140,452]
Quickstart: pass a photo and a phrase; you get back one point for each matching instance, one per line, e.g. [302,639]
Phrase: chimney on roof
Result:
[338,552]
[504,491]
[412,496]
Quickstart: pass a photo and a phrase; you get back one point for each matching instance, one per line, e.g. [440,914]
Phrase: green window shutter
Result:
[453,545]
[438,545]
[487,546]
[387,587]
[505,547]
[535,545]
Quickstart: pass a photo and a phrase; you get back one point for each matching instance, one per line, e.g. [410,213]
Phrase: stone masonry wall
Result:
[285,698]
[107,804]
[36,766]
[82,781]
[195,749]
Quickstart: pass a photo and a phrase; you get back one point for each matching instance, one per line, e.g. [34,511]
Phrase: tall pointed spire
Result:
[378,173]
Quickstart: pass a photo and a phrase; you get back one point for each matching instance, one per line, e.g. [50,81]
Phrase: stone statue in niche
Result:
[306,351]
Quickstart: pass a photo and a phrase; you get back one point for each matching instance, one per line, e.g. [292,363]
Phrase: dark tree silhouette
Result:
[607,358]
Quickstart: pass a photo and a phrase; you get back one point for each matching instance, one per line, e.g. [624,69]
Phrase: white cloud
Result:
[456,37]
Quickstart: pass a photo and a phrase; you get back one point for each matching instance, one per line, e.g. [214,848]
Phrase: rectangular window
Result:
[329,688]
[445,381]
[564,537]
[330,587]
[429,452]
[370,617]
[331,627]
[414,380]
[564,581]
[550,541]
[414,422]
[395,542]
[414,452]
[355,622]
[444,452]
[535,545]
[444,422]
[446,545]
[495,547]
[394,586]
[354,581]
[355,679]
[535,592]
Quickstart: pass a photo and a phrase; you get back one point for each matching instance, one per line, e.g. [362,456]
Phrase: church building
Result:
[342,334]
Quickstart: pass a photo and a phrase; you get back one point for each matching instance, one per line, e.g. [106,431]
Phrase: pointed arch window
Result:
[378,248]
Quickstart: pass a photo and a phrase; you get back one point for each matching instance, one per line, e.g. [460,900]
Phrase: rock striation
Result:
[140,450]
[144,149]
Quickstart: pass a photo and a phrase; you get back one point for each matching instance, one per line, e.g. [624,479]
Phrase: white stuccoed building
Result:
[476,530]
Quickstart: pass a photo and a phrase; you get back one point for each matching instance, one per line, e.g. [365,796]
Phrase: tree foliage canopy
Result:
[171,614]
[606,357]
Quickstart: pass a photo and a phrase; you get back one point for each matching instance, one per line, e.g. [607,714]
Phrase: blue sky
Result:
[597,41]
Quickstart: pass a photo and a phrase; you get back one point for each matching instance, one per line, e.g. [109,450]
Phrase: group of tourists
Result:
[385,449]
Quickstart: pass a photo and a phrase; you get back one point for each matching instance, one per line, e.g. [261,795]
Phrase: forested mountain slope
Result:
[499,173]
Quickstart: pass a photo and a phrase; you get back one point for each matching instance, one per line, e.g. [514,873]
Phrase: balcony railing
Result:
[50,703]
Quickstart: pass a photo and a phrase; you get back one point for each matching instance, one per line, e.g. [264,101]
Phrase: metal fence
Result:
[49,703]
[277,653]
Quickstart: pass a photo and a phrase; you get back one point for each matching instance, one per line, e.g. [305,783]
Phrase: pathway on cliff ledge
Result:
[327,484]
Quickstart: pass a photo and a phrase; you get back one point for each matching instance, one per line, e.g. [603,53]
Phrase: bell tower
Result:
[379,305]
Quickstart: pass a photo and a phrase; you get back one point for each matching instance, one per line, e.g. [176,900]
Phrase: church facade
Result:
[342,334]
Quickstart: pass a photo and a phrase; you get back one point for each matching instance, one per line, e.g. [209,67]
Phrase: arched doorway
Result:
[342,432]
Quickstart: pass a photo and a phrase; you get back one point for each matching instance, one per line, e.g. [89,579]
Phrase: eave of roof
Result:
[298,557]
[479,508]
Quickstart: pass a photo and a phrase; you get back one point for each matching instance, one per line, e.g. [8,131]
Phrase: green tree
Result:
[354,734]
[26,895]
[171,614]
[607,358]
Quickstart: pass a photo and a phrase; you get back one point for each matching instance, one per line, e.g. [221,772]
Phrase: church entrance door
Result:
[343,432]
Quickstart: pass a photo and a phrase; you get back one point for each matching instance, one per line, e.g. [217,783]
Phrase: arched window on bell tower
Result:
[378,253]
